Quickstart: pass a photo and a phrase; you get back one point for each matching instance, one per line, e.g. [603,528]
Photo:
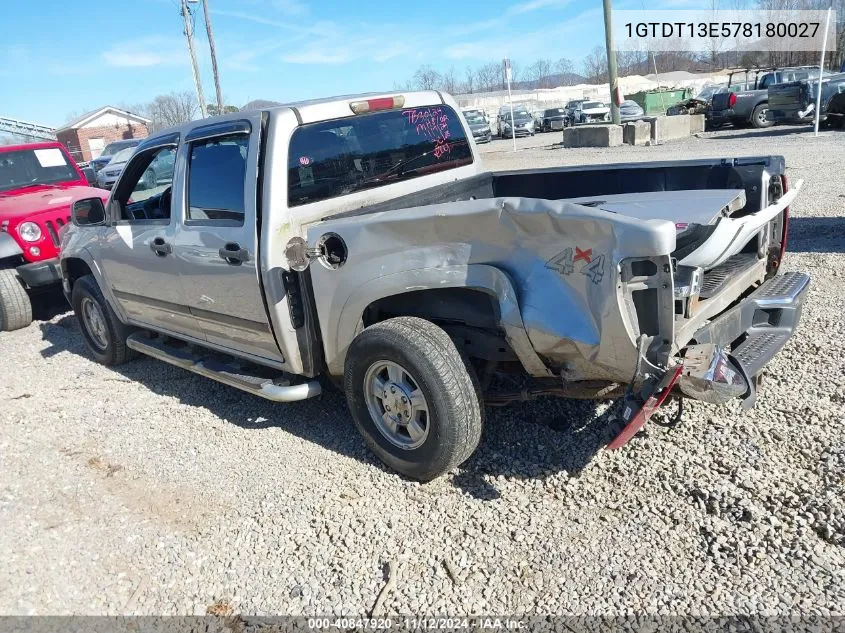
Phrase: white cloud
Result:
[317,56]
[535,5]
[146,51]
[291,7]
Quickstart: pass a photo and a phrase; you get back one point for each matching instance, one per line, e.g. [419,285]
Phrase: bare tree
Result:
[566,69]
[539,73]
[469,80]
[488,76]
[426,78]
[595,65]
[449,81]
[171,109]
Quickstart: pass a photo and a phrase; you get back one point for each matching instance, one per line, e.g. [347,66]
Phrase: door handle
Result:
[160,247]
[234,254]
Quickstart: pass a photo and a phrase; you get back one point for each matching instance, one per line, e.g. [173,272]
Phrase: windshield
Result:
[474,118]
[122,156]
[554,112]
[34,166]
[593,104]
[629,104]
[520,114]
[337,157]
[114,148]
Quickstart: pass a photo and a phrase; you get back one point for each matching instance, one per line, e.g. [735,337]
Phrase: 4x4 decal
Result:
[564,263]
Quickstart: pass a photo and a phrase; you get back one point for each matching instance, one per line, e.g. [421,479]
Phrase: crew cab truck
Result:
[747,99]
[38,183]
[359,239]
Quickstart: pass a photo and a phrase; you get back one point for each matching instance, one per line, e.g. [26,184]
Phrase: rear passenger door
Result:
[216,241]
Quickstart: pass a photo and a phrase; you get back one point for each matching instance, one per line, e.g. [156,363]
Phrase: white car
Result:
[593,111]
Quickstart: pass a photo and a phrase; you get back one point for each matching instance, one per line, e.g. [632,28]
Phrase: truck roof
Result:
[314,110]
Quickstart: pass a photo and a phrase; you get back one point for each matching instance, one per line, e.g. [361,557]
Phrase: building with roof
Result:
[87,135]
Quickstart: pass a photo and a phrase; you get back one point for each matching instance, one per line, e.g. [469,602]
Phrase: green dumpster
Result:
[657,101]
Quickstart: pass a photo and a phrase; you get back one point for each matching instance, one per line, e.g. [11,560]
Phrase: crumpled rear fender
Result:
[487,279]
[560,260]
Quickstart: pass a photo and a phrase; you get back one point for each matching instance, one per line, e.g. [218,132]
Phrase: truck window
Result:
[145,194]
[340,156]
[216,175]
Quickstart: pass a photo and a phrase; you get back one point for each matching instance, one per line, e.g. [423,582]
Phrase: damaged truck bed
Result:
[360,239]
[592,286]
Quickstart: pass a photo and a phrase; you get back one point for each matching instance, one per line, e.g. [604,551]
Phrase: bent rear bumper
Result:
[761,324]
[755,330]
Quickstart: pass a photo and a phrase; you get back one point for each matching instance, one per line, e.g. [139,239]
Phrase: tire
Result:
[15,306]
[758,117]
[106,339]
[421,362]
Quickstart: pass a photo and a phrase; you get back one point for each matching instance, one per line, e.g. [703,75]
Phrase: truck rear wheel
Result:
[103,332]
[760,116]
[413,397]
[15,306]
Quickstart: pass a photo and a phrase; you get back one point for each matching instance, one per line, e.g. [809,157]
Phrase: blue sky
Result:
[63,58]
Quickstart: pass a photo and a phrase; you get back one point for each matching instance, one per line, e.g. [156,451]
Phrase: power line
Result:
[189,35]
[213,56]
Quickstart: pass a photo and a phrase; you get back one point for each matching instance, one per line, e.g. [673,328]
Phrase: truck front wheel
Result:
[413,397]
[103,332]
[15,306]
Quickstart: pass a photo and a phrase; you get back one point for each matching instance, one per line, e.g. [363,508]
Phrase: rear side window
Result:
[341,156]
[216,175]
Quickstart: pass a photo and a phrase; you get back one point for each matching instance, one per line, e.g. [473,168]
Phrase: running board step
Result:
[276,389]
[759,348]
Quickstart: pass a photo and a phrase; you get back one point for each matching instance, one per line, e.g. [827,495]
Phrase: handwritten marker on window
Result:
[374,105]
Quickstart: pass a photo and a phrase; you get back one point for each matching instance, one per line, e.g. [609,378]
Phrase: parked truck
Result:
[795,102]
[38,184]
[358,241]
[746,100]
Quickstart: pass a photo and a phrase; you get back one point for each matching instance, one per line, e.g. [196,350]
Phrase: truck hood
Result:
[23,203]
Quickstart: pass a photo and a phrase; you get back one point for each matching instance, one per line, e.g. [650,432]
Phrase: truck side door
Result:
[215,242]
[136,253]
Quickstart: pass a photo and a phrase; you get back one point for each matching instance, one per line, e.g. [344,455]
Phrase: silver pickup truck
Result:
[359,239]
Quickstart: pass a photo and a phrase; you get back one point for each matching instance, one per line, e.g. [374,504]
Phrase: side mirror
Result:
[88,212]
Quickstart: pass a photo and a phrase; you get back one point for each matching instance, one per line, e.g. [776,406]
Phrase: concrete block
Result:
[667,128]
[636,132]
[696,123]
[593,136]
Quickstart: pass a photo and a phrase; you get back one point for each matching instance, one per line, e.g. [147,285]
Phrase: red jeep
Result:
[38,184]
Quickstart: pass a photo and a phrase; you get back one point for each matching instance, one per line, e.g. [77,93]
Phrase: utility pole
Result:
[189,34]
[613,79]
[213,57]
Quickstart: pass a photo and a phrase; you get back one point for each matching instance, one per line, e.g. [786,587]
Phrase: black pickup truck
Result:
[747,99]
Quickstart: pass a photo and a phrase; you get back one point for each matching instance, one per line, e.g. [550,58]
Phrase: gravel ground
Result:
[149,490]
